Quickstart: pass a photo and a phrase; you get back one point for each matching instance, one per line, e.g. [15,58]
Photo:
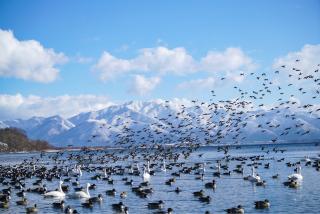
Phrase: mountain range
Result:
[171,121]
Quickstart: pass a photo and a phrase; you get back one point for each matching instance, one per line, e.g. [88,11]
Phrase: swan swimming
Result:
[82,194]
[253,177]
[146,175]
[56,193]
[296,176]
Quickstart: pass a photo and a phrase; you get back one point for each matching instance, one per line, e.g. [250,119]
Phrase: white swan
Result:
[163,168]
[82,194]
[146,175]
[56,193]
[148,166]
[253,177]
[296,176]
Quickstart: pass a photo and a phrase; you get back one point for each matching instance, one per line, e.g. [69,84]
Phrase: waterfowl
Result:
[58,205]
[56,193]
[98,198]
[168,211]
[111,192]
[23,201]
[199,193]
[4,204]
[123,194]
[33,209]
[235,210]
[156,205]
[253,177]
[146,175]
[206,199]
[88,204]
[262,204]
[211,185]
[296,176]
[294,184]
[82,194]
[177,190]
[118,207]
[69,210]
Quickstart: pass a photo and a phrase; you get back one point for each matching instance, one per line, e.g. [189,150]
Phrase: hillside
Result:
[13,140]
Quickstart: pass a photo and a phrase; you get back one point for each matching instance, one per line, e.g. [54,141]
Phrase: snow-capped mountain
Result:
[172,121]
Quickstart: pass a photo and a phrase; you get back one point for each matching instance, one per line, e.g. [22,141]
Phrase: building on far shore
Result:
[3,146]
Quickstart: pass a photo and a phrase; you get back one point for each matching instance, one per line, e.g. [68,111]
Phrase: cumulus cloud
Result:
[28,60]
[205,83]
[142,85]
[177,61]
[19,106]
[232,59]
[308,59]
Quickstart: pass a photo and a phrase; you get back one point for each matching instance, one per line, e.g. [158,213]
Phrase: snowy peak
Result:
[172,121]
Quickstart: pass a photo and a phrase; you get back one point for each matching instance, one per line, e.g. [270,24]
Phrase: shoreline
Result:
[101,148]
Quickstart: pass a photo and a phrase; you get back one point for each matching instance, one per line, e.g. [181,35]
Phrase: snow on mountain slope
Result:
[170,121]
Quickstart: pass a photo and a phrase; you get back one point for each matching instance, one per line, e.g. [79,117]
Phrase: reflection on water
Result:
[231,190]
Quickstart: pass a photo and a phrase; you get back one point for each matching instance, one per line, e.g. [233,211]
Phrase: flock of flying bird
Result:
[67,168]
[223,119]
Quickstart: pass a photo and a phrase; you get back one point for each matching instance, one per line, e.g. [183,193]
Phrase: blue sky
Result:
[83,30]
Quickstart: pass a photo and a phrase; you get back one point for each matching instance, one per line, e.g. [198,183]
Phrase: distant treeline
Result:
[14,140]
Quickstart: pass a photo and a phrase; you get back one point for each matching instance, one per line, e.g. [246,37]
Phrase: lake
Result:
[230,191]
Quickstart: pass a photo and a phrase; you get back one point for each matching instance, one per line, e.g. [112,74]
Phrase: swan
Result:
[148,166]
[163,168]
[56,193]
[146,175]
[296,176]
[253,177]
[82,194]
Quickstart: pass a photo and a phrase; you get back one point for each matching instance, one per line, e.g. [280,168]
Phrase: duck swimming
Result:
[262,204]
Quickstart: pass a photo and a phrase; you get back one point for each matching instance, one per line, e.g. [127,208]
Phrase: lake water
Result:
[230,191]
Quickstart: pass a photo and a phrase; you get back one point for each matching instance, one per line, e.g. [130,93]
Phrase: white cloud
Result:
[308,59]
[177,61]
[232,59]
[19,106]
[28,60]
[142,85]
[206,83]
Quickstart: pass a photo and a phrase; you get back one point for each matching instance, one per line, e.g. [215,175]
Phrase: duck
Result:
[177,190]
[82,194]
[58,205]
[156,205]
[294,184]
[118,207]
[4,204]
[123,194]
[262,204]
[199,193]
[33,209]
[88,204]
[206,199]
[111,192]
[296,176]
[99,198]
[69,210]
[168,211]
[211,185]
[56,193]
[235,210]
[23,201]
